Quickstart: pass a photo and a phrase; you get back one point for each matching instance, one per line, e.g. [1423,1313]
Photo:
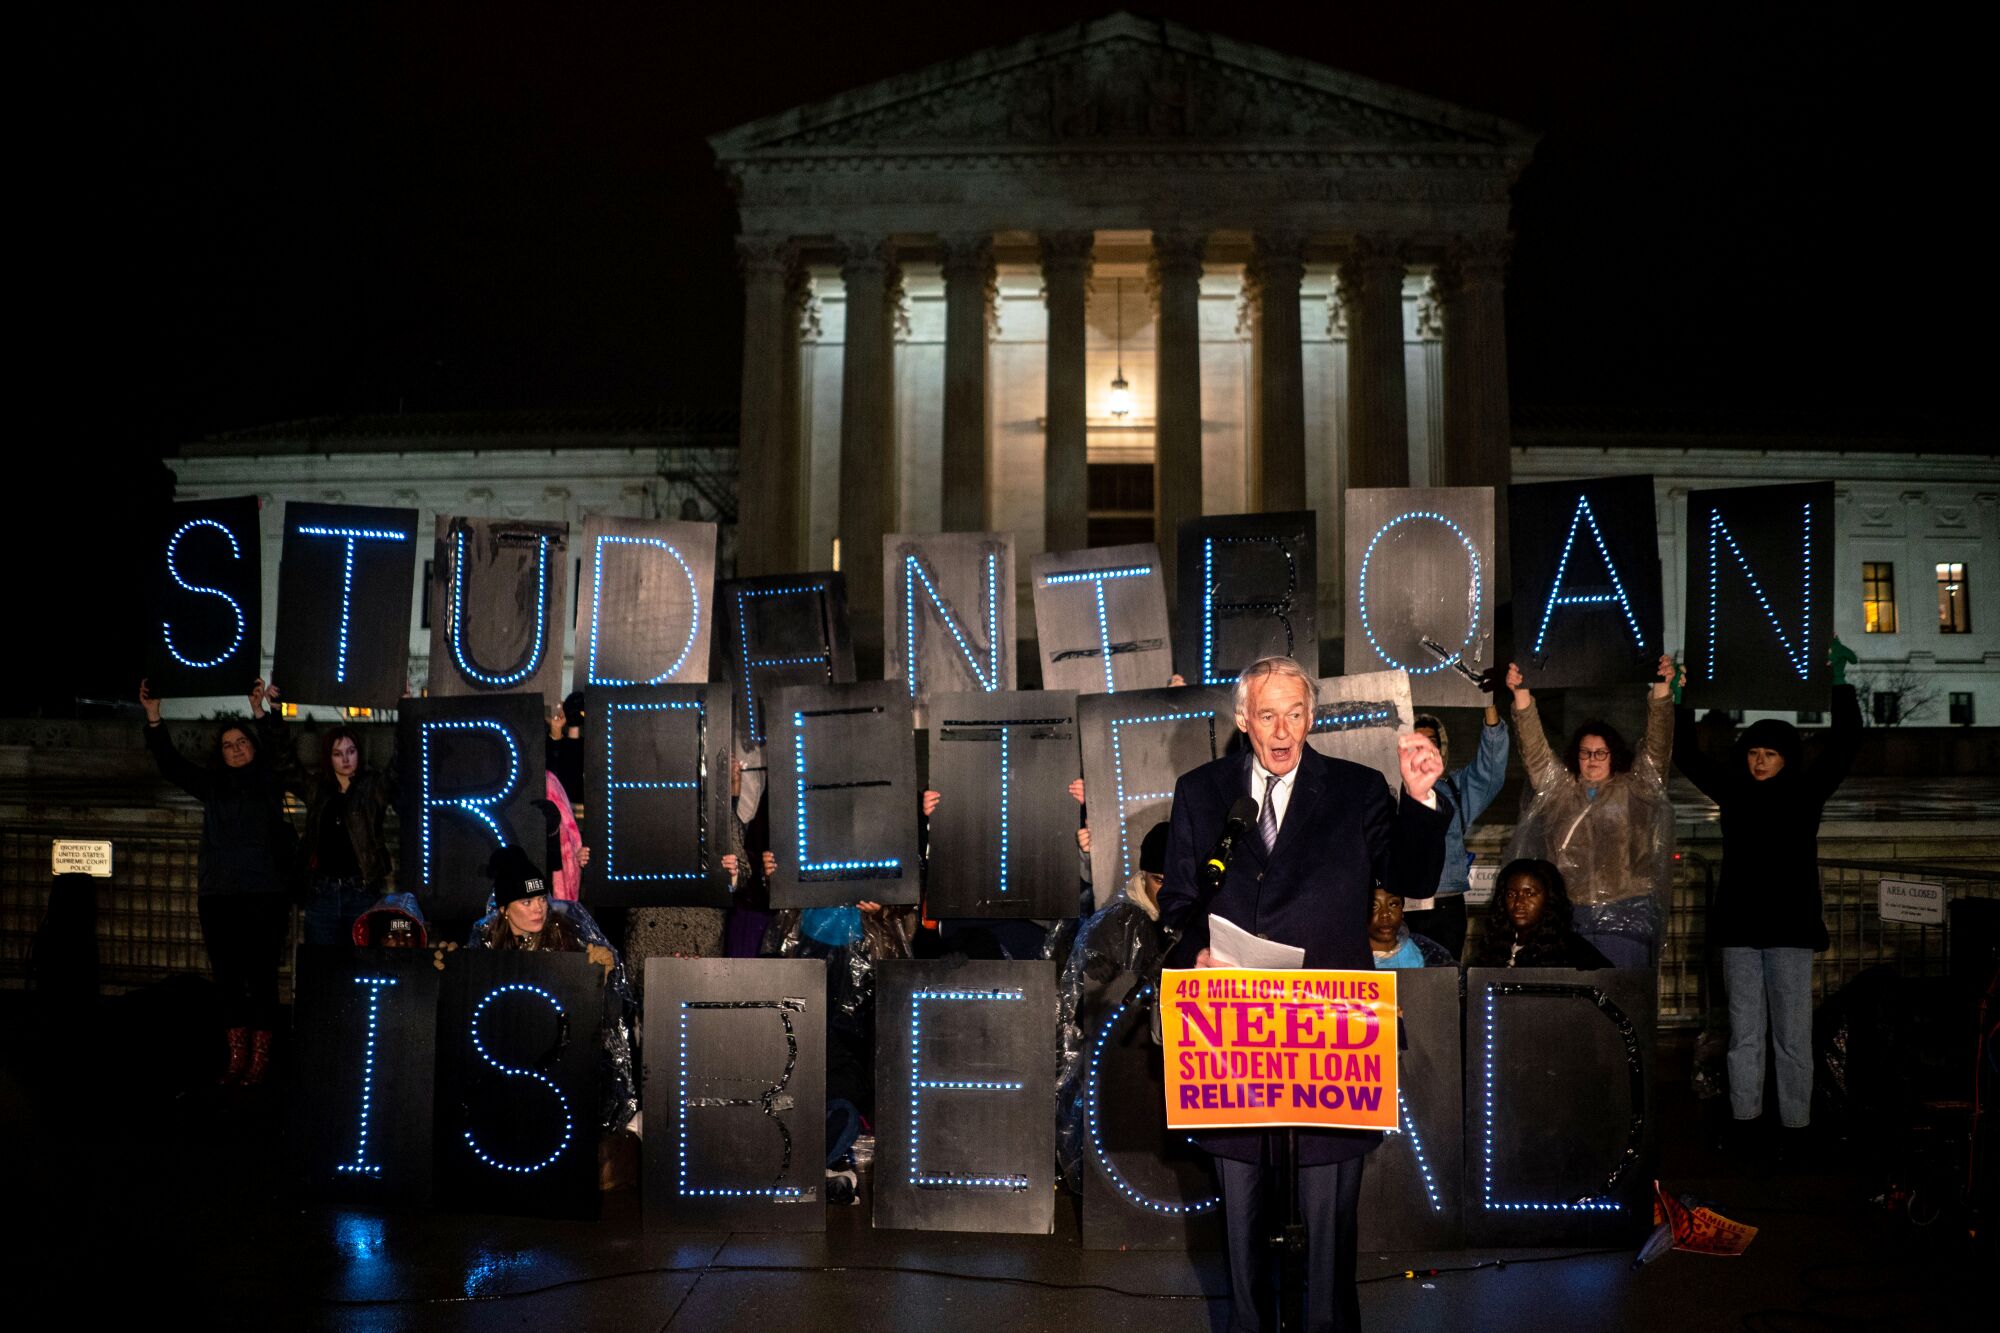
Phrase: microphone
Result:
[1242,818]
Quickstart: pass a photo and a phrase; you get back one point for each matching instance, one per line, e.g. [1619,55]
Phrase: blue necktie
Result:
[1267,821]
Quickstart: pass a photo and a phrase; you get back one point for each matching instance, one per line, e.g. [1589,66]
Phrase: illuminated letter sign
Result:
[207,600]
[366,1026]
[736,1054]
[1586,580]
[1537,1035]
[930,584]
[1135,746]
[843,795]
[1359,717]
[1101,619]
[1760,596]
[658,788]
[518,1083]
[344,584]
[645,598]
[1420,566]
[964,1080]
[1003,841]
[788,630]
[1249,588]
[471,771]
[496,607]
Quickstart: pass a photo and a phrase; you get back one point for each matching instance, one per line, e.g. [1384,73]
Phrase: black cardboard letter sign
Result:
[1411,1191]
[497,607]
[1002,840]
[736,1093]
[517,1097]
[471,770]
[1420,566]
[948,599]
[1760,596]
[843,774]
[787,630]
[658,782]
[1249,588]
[1101,619]
[207,603]
[1135,747]
[1358,719]
[366,1022]
[1586,574]
[344,581]
[644,603]
[964,1083]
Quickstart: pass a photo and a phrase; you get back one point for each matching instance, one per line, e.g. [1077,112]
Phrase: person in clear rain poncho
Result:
[1600,815]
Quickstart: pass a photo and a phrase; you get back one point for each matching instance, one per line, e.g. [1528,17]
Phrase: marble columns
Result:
[1378,420]
[1177,497]
[968,295]
[1066,264]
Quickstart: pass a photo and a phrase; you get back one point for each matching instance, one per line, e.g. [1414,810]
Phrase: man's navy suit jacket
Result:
[1342,835]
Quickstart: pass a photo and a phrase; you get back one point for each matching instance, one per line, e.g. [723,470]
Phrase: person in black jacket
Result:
[1531,922]
[344,860]
[246,846]
[1767,919]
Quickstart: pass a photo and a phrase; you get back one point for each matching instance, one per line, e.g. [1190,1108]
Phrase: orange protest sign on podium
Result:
[1254,1049]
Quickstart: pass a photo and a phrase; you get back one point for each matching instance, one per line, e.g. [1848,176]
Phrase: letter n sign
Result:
[497,607]
[644,603]
[658,784]
[1760,563]
[948,603]
[1249,588]
[470,772]
[206,606]
[1420,566]
[344,586]
[1586,576]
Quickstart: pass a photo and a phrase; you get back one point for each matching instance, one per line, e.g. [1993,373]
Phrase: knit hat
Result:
[515,876]
[1770,734]
[1153,851]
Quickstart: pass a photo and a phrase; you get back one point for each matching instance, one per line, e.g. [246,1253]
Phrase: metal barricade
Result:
[1858,937]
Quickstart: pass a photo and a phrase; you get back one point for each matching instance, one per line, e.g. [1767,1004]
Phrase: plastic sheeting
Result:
[1121,939]
[1615,850]
[851,941]
[621,1078]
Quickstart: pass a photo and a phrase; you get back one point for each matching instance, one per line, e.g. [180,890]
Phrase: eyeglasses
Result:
[1593,754]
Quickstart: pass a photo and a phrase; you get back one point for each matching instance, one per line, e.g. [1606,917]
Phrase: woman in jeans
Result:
[246,846]
[345,861]
[1766,918]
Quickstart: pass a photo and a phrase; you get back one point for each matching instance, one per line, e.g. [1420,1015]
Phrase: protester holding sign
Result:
[1324,835]
[1600,814]
[1465,795]
[344,859]
[1767,919]
[246,851]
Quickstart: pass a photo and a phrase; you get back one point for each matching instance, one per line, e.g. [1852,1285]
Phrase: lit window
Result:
[1961,710]
[1878,597]
[288,710]
[359,713]
[1954,600]
[1888,707]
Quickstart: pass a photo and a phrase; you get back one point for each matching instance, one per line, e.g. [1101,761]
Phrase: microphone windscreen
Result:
[1244,812]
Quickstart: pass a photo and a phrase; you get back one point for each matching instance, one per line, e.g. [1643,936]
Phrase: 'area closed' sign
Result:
[1914,901]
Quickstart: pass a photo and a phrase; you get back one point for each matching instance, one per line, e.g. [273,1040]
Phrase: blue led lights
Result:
[1799,655]
[350,536]
[1472,605]
[568,1120]
[987,677]
[361,1166]
[1004,777]
[824,659]
[613,784]
[597,607]
[842,869]
[919,1085]
[1096,579]
[479,807]
[1331,717]
[1408,1125]
[1280,608]
[769,1100]
[1134,1002]
[455,629]
[1615,597]
[173,571]
[1127,801]
[1598,1205]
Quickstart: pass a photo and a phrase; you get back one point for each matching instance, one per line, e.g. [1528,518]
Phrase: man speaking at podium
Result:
[1301,870]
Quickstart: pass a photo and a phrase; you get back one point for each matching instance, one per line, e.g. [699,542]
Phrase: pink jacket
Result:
[569,879]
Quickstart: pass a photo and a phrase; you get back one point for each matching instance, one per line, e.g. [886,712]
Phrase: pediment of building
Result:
[1123,81]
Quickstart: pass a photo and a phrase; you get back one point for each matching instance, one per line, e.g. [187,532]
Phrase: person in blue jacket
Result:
[1464,796]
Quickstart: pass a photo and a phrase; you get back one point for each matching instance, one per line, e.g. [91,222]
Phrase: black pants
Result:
[245,935]
[1329,1198]
[1444,923]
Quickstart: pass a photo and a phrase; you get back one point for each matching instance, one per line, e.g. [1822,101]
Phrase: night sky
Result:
[427,207]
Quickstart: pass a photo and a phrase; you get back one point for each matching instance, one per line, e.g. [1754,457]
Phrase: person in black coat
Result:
[1327,833]
[1767,918]
[246,851]
[1532,922]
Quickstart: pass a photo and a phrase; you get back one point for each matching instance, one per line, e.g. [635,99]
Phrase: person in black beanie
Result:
[524,921]
[1767,918]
